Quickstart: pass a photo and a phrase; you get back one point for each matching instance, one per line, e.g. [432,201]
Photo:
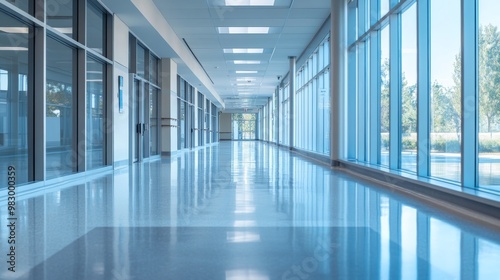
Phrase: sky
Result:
[445,37]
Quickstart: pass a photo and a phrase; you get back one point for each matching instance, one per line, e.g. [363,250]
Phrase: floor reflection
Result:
[242,210]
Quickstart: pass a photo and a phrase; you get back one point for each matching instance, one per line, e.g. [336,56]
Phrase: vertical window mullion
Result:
[423,87]
[395,92]
[470,104]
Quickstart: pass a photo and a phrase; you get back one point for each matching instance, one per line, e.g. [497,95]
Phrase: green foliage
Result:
[445,145]
[409,143]
[489,79]
[489,146]
[59,98]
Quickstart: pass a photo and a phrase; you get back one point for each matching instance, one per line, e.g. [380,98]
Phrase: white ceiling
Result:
[293,25]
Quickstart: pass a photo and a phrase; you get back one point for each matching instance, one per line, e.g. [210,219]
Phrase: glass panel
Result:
[384,96]
[153,69]
[489,94]
[445,90]
[409,89]
[14,93]
[61,15]
[96,127]
[141,61]
[153,121]
[182,124]
[327,112]
[182,89]
[244,126]
[25,5]
[384,7]
[60,111]
[96,29]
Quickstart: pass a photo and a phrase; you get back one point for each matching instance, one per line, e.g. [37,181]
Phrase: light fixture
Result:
[249,2]
[243,30]
[246,72]
[243,50]
[246,62]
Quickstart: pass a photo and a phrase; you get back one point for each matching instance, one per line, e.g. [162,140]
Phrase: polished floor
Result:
[238,211]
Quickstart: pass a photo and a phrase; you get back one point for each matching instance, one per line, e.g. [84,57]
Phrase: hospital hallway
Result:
[236,211]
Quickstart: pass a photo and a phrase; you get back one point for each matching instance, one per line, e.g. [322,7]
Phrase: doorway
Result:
[139,119]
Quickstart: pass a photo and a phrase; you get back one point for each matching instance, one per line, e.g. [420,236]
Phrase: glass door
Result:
[138,124]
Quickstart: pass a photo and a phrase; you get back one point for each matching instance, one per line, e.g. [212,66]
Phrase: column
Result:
[169,121]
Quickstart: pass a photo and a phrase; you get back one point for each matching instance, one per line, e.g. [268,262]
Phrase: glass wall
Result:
[409,89]
[312,102]
[96,21]
[445,75]
[61,109]
[154,100]
[215,124]
[16,120]
[62,16]
[437,81]
[385,81]
[489,94]
[201,116]
[244,126]
[53,115]
[186,110]
[96,93]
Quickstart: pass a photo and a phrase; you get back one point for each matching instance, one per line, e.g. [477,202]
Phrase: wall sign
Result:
[120,94]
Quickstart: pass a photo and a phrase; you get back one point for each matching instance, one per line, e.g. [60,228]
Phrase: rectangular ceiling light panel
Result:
[243,50]
[243,30]
[246,72]
[249,2]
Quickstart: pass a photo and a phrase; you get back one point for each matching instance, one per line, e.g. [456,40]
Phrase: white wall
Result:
[120,120]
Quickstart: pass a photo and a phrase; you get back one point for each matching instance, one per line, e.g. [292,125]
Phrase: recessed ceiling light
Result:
[246,62]
[243,50]
[243,30]
[249,2]
[246,72]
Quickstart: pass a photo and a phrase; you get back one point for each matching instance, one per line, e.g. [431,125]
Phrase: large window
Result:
[96,24]
[427,88]
[244,126]
[384,97]
[16,125]
[62,157]
[409,89]
[96,113]
[53,88]
[445,101]
[61,15]
[489,94]
[312,102]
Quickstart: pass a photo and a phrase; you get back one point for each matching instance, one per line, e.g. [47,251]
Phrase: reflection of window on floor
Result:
[244,126]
